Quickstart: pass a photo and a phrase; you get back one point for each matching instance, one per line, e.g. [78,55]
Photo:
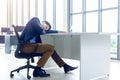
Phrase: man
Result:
[31,34]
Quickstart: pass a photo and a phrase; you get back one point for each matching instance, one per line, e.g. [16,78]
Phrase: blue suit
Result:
[33,30]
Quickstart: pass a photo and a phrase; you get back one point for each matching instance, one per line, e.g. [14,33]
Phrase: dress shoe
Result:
[68,68]
[40,73]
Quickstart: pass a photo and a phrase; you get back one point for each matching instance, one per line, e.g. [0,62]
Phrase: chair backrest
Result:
[19,28]
[17,35]
[18,54]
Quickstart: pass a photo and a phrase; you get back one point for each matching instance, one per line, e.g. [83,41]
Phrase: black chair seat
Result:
[25,55]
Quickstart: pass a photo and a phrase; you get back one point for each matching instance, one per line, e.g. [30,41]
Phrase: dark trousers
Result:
[46,50]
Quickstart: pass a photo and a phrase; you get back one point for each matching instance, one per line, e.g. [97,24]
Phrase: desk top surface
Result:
[80,33]
[72,33]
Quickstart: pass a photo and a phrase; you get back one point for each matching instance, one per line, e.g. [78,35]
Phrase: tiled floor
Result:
[8,62]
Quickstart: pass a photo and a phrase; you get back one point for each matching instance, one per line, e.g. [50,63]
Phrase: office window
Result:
[109,3]
[17,9]
[3,14]
[92,22]
[76,23]
[32,8]
[91,5]
[19,16]
[40,9]
[109,24]
[49,11]
[25,11]
[109,21]
[77,6]
[14,12]
[59,15]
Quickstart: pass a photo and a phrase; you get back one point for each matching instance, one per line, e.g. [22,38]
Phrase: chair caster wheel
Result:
[11,75]
[28,77]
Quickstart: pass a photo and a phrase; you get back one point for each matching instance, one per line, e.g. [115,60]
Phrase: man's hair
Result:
[46,22]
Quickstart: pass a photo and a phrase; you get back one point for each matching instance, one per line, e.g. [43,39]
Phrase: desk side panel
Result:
[95,57]
[47,39]
[68,46]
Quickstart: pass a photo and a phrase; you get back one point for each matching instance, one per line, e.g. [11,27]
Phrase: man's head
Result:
[46,25]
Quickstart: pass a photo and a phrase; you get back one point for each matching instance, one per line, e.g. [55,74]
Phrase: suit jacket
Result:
[33,30]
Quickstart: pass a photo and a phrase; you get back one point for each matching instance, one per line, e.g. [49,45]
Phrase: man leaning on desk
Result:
[31,34]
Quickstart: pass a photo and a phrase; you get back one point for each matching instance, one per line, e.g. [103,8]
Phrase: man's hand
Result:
[62,32]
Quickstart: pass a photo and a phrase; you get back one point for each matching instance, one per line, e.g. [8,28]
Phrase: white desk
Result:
[92,49]
[9,41]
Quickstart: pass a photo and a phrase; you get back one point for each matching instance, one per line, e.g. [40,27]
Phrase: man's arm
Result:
[55,31]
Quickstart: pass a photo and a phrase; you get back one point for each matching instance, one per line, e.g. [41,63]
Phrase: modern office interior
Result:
[76,17]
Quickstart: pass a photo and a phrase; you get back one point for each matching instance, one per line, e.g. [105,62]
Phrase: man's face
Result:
[44,26]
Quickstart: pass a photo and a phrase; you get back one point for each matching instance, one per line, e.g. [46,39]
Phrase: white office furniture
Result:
[92,49]
[10,40]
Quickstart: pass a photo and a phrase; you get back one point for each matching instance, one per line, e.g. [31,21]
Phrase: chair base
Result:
[27,66]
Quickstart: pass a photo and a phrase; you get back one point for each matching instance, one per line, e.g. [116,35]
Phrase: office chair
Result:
[22,55]
[19,29]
